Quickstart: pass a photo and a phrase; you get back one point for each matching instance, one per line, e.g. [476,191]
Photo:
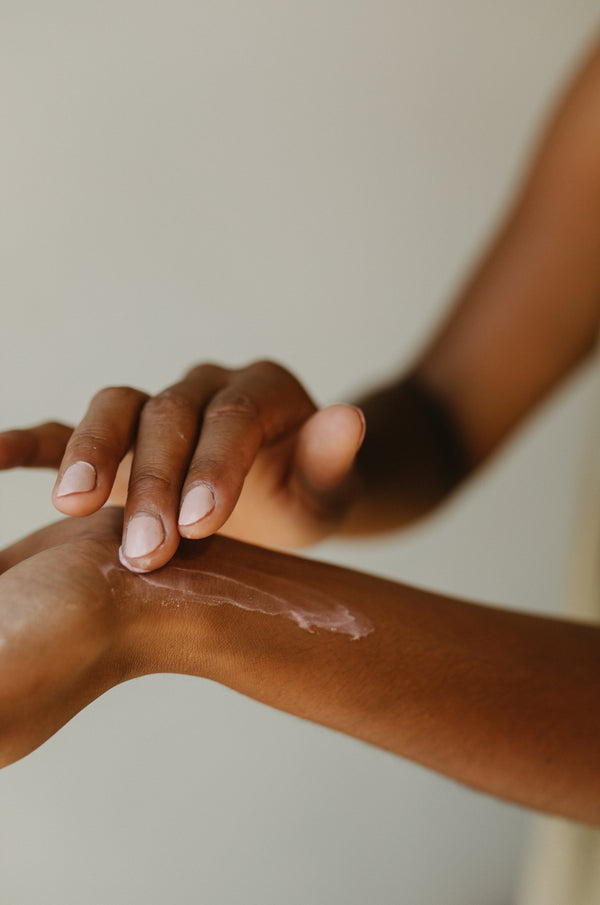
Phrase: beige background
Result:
[307,181]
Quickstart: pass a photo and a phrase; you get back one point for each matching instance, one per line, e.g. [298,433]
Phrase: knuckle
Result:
[114,396]
[267,369]
[101,441]
[234,403]
[169,405]
[54,427]
[206,370]
[207,468]
[149,483]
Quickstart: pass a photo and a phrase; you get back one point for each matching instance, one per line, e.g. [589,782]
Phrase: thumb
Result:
[327,445]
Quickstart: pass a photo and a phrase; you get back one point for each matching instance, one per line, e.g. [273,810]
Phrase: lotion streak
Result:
[333,617]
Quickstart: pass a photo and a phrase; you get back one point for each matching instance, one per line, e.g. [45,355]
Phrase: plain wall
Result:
[308,181]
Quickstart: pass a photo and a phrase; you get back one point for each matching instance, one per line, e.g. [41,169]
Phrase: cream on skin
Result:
[321,612]
[255,591]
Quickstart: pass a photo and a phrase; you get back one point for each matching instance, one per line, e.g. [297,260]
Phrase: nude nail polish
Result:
[144,535]
[78,478]
[197,504]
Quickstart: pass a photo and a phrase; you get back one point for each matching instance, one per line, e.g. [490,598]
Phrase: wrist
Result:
[163,619]
[227,611]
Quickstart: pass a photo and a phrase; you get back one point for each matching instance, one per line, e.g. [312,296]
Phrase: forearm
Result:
[528,314]
[501,701]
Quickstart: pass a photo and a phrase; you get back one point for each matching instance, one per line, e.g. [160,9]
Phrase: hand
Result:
[74,622]
[243,451]
[63,626]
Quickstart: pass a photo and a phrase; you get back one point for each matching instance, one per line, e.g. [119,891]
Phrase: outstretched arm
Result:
[501,701]
[527,316]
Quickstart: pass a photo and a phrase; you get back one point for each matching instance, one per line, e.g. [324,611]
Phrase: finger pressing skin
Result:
[260,405]
[166,437]
[96,447]
[42,446]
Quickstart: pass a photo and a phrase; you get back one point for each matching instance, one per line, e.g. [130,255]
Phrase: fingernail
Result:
[78,478]
[363,422]
[198,502]
[144,535]
[128,565]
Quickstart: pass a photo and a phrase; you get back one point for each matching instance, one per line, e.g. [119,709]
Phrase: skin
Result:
[256,419]
[503,701]
[434,679]
[58,624]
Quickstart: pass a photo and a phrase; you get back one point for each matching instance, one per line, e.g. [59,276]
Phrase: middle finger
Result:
[166,437]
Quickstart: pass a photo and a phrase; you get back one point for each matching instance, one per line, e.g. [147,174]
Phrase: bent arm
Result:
[502,701]
[526,317]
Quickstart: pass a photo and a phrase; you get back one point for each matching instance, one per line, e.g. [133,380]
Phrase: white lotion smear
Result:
[320,613]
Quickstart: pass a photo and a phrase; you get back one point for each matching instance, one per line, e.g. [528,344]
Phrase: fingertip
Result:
[137,570]
[349,418]
[339,427]
[80,477]
[150,563]
[199,530]
[77,504]
[149,542]
[328,444]
[197,505]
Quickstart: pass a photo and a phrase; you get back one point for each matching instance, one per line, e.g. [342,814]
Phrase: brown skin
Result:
[258,419]
[484,695]
[58,625]
[503,701]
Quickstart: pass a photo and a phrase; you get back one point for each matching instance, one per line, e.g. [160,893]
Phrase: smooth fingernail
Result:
[78,478]
[198,502]
[144,535]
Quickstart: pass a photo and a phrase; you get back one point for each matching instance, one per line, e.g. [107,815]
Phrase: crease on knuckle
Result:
[102,442]
[206,469]
[170,405]
[232,403]
[150,482]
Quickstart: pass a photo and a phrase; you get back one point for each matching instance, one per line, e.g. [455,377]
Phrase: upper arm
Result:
[531,311]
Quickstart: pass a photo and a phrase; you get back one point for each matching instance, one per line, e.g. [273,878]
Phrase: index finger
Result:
[95,449]
[261,405]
